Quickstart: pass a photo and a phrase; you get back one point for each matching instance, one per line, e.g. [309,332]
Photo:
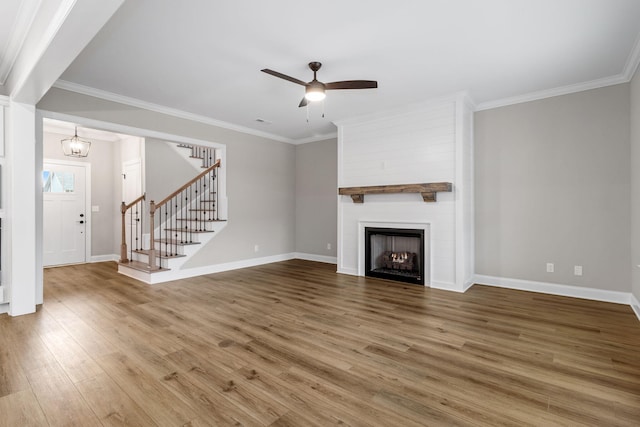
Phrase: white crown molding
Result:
[4,101]
[121,99]
[315,138]
[633,61]
[67,129]
[555,289]
[127,130]
[549,93]
[19,31]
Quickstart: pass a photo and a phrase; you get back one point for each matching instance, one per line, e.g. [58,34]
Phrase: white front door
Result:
[65,219]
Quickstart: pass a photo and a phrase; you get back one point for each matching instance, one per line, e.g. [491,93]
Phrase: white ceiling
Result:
[204,57]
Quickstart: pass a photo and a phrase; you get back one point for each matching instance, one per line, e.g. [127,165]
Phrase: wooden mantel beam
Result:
[428,191]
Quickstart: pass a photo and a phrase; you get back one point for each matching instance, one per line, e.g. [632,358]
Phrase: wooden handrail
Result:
[179,190]
[124,207]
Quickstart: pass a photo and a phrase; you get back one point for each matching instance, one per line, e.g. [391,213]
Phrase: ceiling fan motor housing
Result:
[315,91]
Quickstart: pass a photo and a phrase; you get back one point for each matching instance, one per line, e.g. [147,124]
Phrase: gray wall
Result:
[260,176]
[316,197]
[165,170]
[104,176]
[552,184]
[635,184]
[261,206]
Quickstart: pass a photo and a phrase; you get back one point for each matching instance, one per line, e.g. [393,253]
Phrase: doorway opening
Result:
[81,228]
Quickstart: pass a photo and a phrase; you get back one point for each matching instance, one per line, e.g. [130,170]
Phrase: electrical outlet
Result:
[550,267]
[328,246]
[577,270]
[256,248]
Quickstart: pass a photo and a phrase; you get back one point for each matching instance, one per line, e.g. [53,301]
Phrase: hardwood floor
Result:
[294,344]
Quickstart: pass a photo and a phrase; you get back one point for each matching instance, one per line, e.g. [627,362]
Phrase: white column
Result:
[21,208]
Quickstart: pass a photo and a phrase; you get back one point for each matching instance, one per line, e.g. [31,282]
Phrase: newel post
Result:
[152,242]
[123,244]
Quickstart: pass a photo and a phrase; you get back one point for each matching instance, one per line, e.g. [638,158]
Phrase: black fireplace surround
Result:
[395,254]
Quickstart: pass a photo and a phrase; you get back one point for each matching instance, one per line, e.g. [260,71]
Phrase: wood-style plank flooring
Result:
[294,344]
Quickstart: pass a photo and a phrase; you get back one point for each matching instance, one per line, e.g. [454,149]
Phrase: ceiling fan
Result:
[315,90]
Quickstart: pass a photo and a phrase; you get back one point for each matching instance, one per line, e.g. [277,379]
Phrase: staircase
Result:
[159,237]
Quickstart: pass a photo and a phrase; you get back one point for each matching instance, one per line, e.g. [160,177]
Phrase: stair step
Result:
[175,242]
[202,210]
[146,252]
[188,230]
[207,201]
[142,266]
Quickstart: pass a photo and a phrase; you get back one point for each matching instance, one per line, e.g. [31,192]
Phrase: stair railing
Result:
[206,154]
[182,213]
[136,215]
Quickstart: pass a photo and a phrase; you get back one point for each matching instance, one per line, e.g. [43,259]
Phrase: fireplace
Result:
[395,254]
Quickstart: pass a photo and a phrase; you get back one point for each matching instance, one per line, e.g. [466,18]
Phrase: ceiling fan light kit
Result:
[316,90]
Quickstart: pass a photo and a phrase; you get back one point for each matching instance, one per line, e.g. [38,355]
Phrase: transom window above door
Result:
[58,182]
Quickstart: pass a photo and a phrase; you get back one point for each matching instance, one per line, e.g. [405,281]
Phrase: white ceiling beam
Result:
[26,13]
[61,29]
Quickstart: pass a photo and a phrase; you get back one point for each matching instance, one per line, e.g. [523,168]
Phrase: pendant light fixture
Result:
[75,146]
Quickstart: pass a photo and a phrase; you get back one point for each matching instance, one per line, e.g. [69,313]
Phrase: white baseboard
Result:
[216,268]
[445,286]
[317,258]
[104,258]
[209,269]
[468,284]
[635,305]
[349,271]
[4,308]
[555,289]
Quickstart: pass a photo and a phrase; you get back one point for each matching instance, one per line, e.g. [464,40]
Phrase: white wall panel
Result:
[417,146]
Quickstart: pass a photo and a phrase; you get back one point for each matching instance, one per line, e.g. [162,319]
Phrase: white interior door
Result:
[131,190]
[131,180]
[64,216]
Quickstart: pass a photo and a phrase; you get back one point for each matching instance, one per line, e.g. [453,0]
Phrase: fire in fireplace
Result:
[395,254]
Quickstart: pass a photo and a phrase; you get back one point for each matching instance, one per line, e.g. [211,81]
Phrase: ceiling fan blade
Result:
[304,102]
[284,76]
[352,84]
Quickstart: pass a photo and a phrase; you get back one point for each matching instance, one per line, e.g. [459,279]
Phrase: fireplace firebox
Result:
[395,254]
